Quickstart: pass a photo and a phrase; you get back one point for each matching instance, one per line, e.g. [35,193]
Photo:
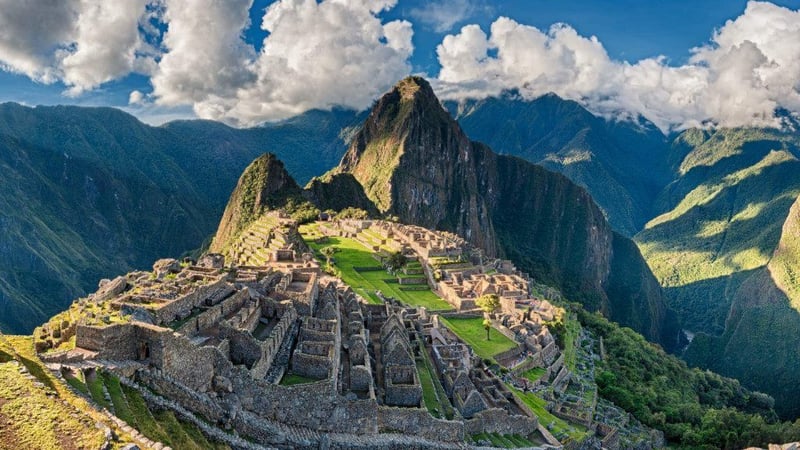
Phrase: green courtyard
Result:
[472,332]
[362,272]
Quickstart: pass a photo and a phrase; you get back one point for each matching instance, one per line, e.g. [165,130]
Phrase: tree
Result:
[328,253]
[487,324]
[489,303]
[396,261]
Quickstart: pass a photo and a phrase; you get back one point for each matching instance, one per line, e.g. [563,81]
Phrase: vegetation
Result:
[40,416]
[694,408]
[291,379]
[489,303]
[471,331]
[559,427]
[362,272]
[352,213]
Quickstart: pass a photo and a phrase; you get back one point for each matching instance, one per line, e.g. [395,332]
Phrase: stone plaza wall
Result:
[112,342]
[312,405]
[497,420]
[418,422]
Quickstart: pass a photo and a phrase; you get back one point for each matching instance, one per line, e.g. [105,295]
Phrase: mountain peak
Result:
[265,184]
[414,87]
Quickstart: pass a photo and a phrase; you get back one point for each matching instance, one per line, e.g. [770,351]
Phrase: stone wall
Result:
[418,422]
[271,345]
[182,307]
[192,400]
[497,420]
[113,342]
[215,314]
[313,405]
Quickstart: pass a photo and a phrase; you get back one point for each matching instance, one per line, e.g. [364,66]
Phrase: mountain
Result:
[415,162]
[723,248]
[621,163]
[89,193]
[264,185]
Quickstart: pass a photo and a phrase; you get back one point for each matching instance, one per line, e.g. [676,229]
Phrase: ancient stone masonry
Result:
[289,357]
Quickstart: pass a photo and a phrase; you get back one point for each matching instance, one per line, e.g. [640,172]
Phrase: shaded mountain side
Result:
[759,345]
[414,162]
[337,192]
[89,193]
[621,164]
[66,222]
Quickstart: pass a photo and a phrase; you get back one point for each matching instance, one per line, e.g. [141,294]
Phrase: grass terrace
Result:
[472,332]
[40,412]
[129,405]
[558,427]
[503,440]
[291,379]
[361,271]
[534,374]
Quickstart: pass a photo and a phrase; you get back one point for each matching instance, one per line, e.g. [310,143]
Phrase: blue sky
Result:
[628,30]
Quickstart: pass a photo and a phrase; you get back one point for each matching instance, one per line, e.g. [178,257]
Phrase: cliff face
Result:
[621,163]
[415,162]
[264,185]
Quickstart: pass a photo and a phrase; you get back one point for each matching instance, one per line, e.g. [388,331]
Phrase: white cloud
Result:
[107,44]
[136,97]
[442,15]
[317,55]
[29,37]
[750,67]
[83,43]
[206,58]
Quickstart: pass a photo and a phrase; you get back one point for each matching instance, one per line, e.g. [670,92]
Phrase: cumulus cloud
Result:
[442,15]
[206,58]
[83,43]
[750,67]
[316,55]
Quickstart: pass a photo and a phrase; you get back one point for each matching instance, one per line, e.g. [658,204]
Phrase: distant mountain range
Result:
[92,192]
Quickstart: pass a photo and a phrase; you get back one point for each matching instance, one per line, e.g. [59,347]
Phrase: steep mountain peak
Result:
[265,184]
[408,125]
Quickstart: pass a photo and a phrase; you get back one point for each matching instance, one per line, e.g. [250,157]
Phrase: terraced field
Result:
[361,271]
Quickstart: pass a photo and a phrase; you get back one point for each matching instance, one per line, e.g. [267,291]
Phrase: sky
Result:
[677,63]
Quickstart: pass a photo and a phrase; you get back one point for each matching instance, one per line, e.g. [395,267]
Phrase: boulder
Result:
[166,266]
[111,289]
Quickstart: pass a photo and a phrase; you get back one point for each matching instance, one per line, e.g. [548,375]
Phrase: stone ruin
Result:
[217,338]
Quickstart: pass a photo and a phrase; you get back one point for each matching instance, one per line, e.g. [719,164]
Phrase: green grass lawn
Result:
[538,406]
[473,333]
[534,374]
[291,379]
[428,390]
[570,352]
[352,254]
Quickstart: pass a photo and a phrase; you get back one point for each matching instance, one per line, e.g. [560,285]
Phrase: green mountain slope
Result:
[415,162]
[621,164]
[713,250]
[89,193]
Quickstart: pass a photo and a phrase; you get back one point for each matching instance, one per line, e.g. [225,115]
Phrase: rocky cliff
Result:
[415,162]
